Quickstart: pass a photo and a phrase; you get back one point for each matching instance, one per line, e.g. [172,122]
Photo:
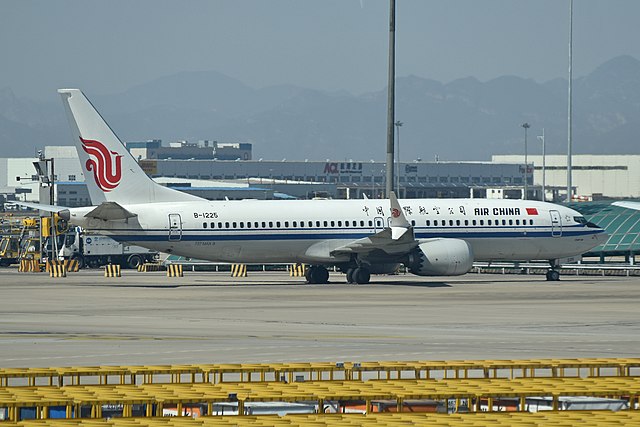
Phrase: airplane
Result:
[431,237]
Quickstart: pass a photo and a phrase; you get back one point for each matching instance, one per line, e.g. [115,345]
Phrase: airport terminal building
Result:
[216,179]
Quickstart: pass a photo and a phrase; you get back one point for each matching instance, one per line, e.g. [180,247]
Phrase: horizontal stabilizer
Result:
[42,207]
[110,211]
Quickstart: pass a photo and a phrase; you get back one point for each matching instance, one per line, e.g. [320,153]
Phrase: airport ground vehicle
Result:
[93,250]
[13,238]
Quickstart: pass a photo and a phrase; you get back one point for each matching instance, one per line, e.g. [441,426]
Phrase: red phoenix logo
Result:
[106,165]
[395,212]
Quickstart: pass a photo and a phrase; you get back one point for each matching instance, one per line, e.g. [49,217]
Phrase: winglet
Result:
[397,215]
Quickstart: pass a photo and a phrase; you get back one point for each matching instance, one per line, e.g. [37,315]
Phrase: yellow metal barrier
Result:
[504,419]
[480,394]
[174,270]
[239,270]
[327,371]
[112,270]
[297,270]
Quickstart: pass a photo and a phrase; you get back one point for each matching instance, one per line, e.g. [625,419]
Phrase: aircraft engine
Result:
[441,257]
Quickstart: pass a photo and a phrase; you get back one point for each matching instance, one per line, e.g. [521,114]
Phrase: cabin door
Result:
[175,227]
[556,224]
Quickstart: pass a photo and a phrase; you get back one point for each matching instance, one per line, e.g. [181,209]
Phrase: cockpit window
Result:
[580,220]
[583,221]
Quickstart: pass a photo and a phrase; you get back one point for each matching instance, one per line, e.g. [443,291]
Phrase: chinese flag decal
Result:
[532,211]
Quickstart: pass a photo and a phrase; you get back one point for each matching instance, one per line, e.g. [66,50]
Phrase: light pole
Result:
[570,101]
[526,166]
[398,124]
[544,194]
[391,91]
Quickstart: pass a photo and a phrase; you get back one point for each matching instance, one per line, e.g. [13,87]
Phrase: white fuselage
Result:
[253,231]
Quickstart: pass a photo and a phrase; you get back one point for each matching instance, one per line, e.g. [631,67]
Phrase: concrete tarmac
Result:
[148,318]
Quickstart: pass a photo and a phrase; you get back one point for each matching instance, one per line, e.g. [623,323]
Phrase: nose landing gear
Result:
[553,275]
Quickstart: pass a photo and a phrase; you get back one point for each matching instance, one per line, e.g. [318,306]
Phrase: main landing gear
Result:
[360,275]
[553,275]
[317,275]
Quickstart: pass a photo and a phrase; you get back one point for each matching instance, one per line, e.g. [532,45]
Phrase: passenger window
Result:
[256,225]
[326,224]
[530,222]
[318,224]
[428,223]
[361,223]
[482,222]
[242,225]
[219,225]
[504,222]
[213,225]
[226,225]
[435,222]
[413,222]
[510,222]
[204,225]
[339,223]
[457,222]
[248,225]
[264,224]
[295,224]
[451,222]
[488,222]
[333,223]
[277,224]
[473,222]
[517,222]
[466,222]
[270,224]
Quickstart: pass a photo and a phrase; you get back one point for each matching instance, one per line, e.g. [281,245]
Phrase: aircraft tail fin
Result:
[111,173]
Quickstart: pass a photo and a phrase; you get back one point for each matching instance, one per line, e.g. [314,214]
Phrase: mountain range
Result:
[465,119]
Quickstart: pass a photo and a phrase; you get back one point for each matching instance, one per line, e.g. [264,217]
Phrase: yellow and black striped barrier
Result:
[174,270]
[149,266]
[239,270]
[57,269]
[112,270]
[29,266]
[297,270]
[72,265]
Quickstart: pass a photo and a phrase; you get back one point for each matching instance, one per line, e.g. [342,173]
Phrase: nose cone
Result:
[602,237]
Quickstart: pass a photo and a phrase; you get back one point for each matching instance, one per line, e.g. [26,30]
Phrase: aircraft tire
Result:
[349,275]
[553,275]
[319,275]
[361,276]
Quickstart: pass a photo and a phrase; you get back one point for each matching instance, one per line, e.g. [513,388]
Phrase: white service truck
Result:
[95,250]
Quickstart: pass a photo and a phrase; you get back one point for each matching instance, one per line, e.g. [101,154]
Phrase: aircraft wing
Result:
[392,240]
[396,239]
[628,205]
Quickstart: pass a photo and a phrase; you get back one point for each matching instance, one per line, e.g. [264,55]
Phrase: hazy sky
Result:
[109,46]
